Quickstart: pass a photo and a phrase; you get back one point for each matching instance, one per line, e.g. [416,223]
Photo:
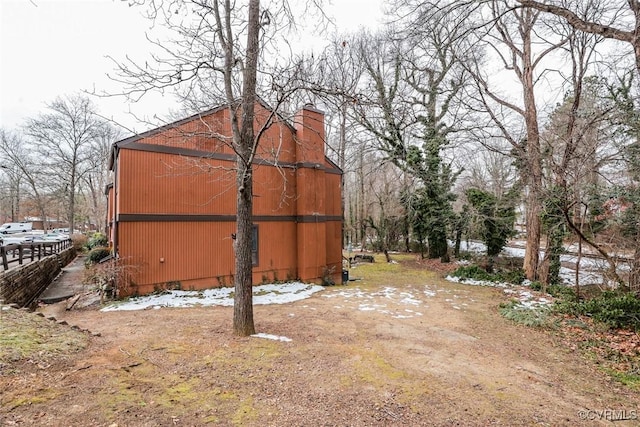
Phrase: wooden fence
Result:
[29,252]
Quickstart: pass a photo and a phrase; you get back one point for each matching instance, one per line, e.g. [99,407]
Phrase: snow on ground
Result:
[474,282]
[525,297]
[568,276]
[590,268]
[471,246]
[272,337]
[262,295]
[408,302]
[399,304]
[528,299]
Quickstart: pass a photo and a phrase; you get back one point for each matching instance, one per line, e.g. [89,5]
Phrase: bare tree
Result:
[490,171]
[338,74]
[620,20]
[224,52]
[96,174]
[14,181]
[63,137]
[514,38]
[386,211]
[18,157]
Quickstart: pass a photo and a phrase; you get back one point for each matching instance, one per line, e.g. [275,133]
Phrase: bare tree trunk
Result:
[361,209]
[634,274]
[342,153]
[342,145]
[577,276]
[534,208]
[72,197]
[15,211]
[243,324]
[532,250]
[95,204]
[544,266]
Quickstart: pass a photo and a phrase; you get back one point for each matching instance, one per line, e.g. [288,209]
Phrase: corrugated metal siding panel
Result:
[213,133]
[189,250]
[333,184]
[209,133]
[278,143]
[110,214]
[163,183]
[277,256]
[311,188]
[274,191]
[200,254]
[334,242]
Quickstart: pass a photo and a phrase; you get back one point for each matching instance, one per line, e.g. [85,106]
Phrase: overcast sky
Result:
[59,47]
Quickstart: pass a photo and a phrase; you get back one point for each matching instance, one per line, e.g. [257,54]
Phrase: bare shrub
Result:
[113,277]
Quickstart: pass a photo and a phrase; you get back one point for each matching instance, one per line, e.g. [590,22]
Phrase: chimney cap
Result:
[309,106]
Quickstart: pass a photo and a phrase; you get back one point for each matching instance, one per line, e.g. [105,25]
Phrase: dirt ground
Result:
[401,346]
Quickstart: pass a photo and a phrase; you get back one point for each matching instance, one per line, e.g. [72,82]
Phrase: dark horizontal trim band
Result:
[318,218]
[166,149]
[225,218]
[179,151]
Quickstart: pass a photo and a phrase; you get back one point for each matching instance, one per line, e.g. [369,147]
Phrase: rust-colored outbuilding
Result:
[172,204]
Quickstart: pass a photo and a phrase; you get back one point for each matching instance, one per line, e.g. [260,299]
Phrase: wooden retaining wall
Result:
[24,284]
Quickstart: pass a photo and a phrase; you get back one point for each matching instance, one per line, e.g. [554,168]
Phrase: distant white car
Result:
[15,227]
[12,240]
[49,237]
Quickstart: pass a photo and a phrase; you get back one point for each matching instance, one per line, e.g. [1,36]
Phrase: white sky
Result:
[50,48]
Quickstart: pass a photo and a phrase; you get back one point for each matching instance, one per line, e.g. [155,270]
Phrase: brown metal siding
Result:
[177,212]
[212,132]
[274,191]
[177,252]
[110,214]
[277,252]
[198,255]
[164,183]
[333,194]
[333,185]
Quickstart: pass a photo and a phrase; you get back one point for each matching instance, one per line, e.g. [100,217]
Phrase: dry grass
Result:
[26,336]
[458,363]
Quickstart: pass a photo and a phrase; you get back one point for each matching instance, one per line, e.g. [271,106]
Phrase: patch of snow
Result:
[528,300]
[262,295]
[371,307]
[409,299]
[272,337]
[568,276]
[474,282]
[388,300]
[471,246]
[513,252]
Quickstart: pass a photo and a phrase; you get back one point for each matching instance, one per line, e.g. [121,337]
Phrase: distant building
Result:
[172,203]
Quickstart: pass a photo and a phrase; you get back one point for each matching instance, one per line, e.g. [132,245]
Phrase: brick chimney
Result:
[311,193]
